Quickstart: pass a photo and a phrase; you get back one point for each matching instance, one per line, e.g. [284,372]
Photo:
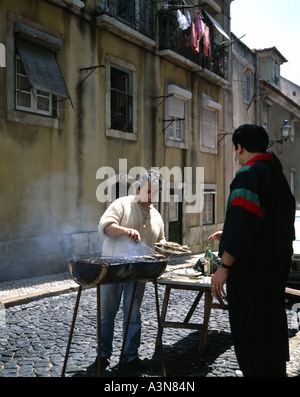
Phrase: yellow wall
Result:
[48,179]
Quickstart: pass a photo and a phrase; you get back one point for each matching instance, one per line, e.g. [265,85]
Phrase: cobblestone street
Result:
[34,338]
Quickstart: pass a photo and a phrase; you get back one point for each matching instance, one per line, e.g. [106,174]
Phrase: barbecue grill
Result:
[110,270]
[95,271]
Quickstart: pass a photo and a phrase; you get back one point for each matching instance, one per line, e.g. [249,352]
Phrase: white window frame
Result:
[175,121]
[209,105]
[33,94]
[23,115]
[112,61]
[209,189]
[173,206]
[209,208]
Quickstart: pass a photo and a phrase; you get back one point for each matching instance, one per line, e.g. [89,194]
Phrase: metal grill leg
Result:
[99,330]
[71,330]
[159,333]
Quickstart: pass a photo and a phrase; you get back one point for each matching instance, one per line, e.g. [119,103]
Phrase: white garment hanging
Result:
[182,21]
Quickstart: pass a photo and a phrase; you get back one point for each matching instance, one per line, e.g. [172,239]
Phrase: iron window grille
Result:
[179,41]
[121,99]
[138,14]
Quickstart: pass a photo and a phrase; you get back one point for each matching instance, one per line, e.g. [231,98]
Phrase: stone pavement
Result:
[38,314]
[23,291]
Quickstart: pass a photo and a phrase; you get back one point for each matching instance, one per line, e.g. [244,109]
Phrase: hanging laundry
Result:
[194,40]
[202,27]
[182,21]
[188,18]
[179,19]
[206,42]
[199,26]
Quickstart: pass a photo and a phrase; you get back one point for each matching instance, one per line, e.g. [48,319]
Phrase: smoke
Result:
[138,249]
[50,206]
[50,224]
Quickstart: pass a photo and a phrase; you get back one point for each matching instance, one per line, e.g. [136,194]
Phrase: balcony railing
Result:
[137,14]
[178,40]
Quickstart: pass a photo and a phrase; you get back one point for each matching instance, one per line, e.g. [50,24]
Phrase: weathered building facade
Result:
[94,90]
[262,96]
[276,107]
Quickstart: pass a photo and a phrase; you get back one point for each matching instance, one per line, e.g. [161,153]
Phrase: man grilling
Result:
[126,223]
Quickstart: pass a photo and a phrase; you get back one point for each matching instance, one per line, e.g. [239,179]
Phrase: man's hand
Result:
[134,235]
[114,230]
[217,282]
[217,236]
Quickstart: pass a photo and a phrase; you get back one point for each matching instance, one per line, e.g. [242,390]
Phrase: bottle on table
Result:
[208,261]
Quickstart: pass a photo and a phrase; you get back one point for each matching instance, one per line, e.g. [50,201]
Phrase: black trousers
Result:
[259,329]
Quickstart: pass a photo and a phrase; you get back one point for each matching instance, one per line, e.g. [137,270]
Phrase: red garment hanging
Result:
[194,40]
[198,26]
[206,42]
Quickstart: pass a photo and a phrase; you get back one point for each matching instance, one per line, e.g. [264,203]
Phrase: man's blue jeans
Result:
[110,295]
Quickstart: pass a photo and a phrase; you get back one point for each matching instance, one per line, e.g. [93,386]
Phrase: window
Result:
[176,130]
[2,56]
[266,113]
[246,86]
[208,213]
[292,133]
[293,181]
[121,99]
[35,84]
[34,79]
[27,98]
[129,11]
[173,208]
[175,116]
[276,73]
[209,125]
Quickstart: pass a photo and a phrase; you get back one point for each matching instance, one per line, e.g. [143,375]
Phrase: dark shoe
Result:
[94,366]
[136,364]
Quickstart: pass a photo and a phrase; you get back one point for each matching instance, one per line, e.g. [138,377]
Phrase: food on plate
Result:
[173,248]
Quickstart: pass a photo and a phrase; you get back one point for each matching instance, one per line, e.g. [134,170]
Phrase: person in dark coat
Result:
[256,249]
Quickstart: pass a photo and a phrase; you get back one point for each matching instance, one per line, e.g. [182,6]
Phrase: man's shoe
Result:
[94,366]
[136,364]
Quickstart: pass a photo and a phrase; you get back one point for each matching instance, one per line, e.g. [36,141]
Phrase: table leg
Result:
[207,309]
[163,315]
[192,309]
[71,331]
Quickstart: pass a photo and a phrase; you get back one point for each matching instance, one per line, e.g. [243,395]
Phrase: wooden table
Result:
[191,285]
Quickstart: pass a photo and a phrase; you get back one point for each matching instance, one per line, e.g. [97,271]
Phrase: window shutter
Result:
[176,107]
[41,68]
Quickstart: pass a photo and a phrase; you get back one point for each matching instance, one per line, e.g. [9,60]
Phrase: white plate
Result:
[187,273]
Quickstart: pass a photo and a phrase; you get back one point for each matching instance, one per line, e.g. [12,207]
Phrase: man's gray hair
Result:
[152,176]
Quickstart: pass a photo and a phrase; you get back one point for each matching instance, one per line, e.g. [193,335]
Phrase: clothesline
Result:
[177,6]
